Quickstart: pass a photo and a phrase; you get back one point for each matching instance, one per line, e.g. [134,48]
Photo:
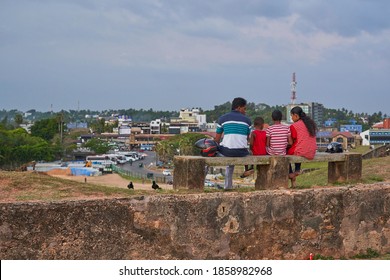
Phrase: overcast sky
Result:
[167,55]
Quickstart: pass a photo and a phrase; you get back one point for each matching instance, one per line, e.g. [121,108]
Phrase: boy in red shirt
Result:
[257,143]
[258,138]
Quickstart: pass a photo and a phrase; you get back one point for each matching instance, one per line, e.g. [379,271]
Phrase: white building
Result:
[188,121]
[124,130]
[124,120]
[155,127]
[211,127]
[366,138]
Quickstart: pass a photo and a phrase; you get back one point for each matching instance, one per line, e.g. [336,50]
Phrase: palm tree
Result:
[186,146]
[165,150]
[18,119]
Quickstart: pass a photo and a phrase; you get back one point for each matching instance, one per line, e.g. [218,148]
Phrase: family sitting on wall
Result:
[234,131]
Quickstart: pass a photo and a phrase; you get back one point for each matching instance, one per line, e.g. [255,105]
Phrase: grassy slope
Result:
[374,170]
[27,186]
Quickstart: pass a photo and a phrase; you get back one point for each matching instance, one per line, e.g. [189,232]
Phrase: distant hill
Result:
[343,116]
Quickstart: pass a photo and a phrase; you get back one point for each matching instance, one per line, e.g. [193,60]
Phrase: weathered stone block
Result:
[273,175]
[190,173]
[354,166]
[348,170]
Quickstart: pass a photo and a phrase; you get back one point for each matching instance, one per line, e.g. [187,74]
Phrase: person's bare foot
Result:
[292,178]
[247,173]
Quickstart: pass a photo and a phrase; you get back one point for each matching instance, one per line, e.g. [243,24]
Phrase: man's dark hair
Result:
[238,102]
[277,115]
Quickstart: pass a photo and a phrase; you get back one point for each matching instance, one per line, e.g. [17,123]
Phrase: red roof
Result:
[378,125]
[345,134]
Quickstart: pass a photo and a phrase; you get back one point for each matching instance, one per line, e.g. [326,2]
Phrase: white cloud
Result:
[231,43]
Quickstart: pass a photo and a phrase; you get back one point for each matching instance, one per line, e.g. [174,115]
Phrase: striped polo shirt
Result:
[235,127]
[278,134]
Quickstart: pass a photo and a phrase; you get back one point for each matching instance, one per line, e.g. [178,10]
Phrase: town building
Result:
[317,113]
[76,125]
[330,122]
[386,123]
[347,139]
[211,127]
[379,134]
[313,110]
[375,137]
[188,121]
[26,127]
[142,127]
[155,126]
[353,128]
[124,130]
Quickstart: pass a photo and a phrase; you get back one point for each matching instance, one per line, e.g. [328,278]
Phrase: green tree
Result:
[98,126]
[165,150]
[185,143]
[18,119]
[18,147]
[110,127]
[46,128]
[4,123]
[98,146]
[218,111]
[182,144]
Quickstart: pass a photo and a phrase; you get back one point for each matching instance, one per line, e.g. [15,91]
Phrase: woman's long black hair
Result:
[309,123]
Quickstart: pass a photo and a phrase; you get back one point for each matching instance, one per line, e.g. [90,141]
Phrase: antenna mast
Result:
[293,89]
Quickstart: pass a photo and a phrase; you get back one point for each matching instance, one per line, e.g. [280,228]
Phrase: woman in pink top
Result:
[303,134]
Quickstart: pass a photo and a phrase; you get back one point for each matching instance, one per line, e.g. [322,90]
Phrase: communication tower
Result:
[293,89]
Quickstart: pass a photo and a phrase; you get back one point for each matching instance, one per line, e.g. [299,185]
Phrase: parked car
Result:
[167,173]
[208,183]
[334,147]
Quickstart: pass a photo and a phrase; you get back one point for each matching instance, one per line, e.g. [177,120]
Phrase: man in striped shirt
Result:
[278,135]
[235,129]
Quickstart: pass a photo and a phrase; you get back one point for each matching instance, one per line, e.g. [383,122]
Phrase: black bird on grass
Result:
[155,186]
[130,186]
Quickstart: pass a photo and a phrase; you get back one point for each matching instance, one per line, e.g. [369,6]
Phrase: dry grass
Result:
[34,186]
[374,170]
[30,186]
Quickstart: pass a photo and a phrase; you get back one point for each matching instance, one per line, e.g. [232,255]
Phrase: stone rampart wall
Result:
[381,151]
[279,224]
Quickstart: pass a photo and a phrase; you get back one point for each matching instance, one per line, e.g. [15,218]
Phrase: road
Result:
[149,164]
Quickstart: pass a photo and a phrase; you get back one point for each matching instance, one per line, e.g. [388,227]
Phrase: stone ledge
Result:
[271,224]
[272,171]
[222,161]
